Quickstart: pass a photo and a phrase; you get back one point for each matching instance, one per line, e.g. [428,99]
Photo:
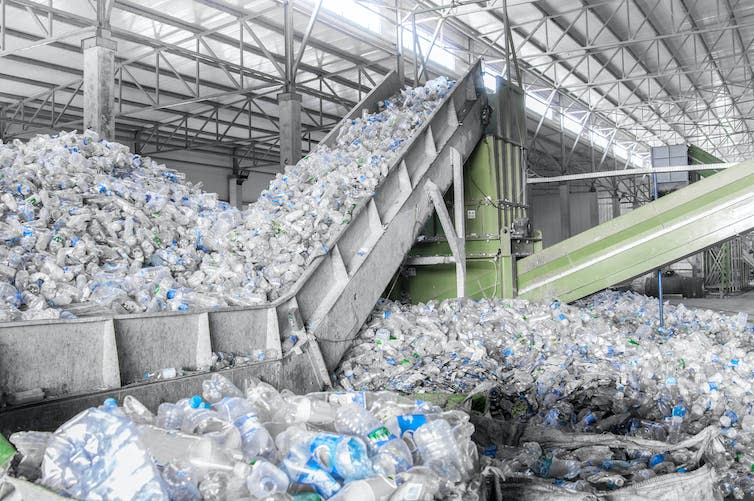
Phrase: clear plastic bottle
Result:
[417,484]
[345,457]
[301,409]
[257,442]
[135,410]
[266,479]
[200,419]
[170,416]
[393,455]
[9,296]
[440,451]
[180,482]
[202,454]
[222,486]
[230,408]
[266,399]
[301,468]
[217,387]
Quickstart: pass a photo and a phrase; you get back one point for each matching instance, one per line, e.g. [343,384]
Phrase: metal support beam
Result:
[457,245]
[399,63]
[627,173]
[305,40]
[289,106]
[290,79]
[565,210]
[460,220]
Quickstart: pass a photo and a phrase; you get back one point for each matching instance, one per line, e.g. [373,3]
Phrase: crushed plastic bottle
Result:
[601,365]
[362,461]
[88,226]
[98,455]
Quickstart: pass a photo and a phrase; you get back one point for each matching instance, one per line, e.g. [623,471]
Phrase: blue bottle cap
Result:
[656,459]
[195,402]
[679,410]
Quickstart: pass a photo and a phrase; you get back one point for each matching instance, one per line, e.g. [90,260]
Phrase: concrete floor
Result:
[728,304]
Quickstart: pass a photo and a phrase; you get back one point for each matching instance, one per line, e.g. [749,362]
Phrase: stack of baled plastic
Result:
[258,444]
[602,365]
[86,224]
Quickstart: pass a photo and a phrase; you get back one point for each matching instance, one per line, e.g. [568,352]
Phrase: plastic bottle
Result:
[345,457]
[180,482]
[170,416]
[266,479]
[116,464]
[217,387]
[135,410]
[222,486]
[201,453]
[200,419]
[440,451]
[393,456]
[266,400]
[301,409]
[301,468]
[257,442]
[9,296]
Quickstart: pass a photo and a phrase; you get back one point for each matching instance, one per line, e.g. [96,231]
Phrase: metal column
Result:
[99,84]
[99,75]
[289,102]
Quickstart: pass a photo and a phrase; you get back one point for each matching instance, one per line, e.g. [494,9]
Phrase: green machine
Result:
[497,229]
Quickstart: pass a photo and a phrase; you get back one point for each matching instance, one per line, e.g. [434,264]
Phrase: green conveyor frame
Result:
[677,225]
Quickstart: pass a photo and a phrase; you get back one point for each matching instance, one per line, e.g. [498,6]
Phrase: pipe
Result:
[659,272]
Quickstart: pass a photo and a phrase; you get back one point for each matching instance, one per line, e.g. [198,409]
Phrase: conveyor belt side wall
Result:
[677,225]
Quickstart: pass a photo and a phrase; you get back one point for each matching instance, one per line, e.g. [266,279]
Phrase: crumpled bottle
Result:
[266,479]
[76,200]
[87,458]
[441,452]
[392,454]
[217,387]
[345,457]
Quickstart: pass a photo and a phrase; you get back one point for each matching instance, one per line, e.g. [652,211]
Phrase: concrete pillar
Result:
[235,191]
[289,105]
[565,210]
[615,199]
[99,84]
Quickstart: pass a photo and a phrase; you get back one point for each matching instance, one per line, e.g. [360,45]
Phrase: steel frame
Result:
[612,65]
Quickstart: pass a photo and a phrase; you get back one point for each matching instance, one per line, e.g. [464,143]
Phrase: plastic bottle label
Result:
[322,449]
[379,436]
[6,451]
[313,475]
[411,422]
[349,397]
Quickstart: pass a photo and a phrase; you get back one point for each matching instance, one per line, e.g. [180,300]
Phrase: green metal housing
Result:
[494,199]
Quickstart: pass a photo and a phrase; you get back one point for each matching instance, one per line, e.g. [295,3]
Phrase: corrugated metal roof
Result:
[635,73]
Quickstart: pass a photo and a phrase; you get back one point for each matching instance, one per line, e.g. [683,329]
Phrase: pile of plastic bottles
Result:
[86,225]
[257,444]
[603,365]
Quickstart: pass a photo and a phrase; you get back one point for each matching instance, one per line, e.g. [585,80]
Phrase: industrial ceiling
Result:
[604,79]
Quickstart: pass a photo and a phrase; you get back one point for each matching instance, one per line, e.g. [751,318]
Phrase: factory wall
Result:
[545,213]
[213,171]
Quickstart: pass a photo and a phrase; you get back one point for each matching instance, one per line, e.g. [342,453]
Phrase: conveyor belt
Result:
[677,225]
[90,359]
